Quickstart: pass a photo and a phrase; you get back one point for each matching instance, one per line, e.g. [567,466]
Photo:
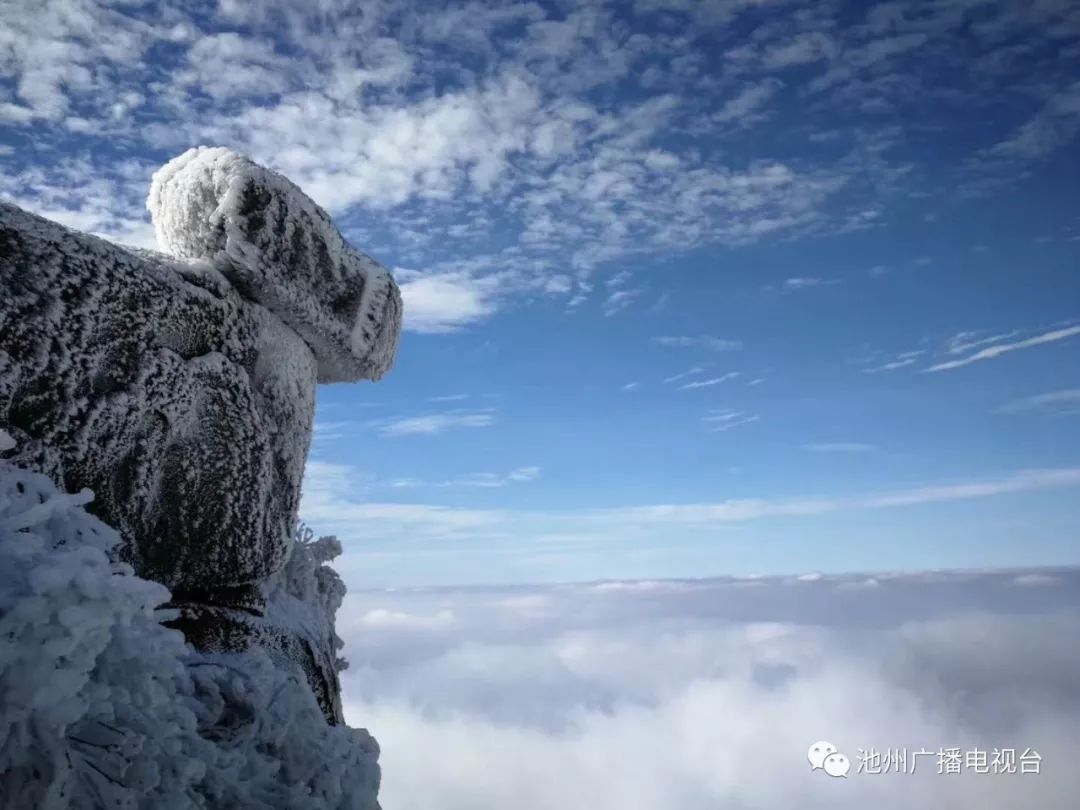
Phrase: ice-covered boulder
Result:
[279,248]
[180,389]
[101,706]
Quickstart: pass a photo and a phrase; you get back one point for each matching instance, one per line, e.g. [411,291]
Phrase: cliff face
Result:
[180,388]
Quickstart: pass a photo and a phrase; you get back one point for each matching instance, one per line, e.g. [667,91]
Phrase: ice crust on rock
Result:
[102,706]
[281,249]
[184,407]
[180,390]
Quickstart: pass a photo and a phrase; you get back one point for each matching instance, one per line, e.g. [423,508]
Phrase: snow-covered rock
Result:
[184,407]
[280,249]
[180,389]
[101,706]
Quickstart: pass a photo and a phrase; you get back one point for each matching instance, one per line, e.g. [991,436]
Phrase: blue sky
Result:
[691,288]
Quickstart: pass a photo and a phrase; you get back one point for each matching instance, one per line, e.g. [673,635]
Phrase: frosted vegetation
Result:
[103,707]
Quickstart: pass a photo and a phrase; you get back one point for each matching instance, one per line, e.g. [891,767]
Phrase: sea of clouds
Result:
[687,694]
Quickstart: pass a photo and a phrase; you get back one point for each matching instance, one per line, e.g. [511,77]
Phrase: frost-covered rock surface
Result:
[101,706]
[180,389]
[280,249]
[185,408]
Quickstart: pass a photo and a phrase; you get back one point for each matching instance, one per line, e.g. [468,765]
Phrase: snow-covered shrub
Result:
[306,585]
[103,707]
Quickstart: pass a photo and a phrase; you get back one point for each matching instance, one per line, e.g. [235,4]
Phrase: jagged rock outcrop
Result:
[180,388]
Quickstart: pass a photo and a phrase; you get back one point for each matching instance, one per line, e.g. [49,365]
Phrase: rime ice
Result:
[102,706]
[179,390]
[280,249]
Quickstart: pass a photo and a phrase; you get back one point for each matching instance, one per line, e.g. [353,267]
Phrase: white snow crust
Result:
[281,249]
[180,389]
[103,707]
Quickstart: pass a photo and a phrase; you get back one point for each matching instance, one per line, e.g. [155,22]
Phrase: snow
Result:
[156,414]
[180,389]
[186,408]
[280,249]
[302,600]
[102,706]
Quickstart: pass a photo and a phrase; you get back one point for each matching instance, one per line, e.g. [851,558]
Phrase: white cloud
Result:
[1025,481]
[1054,126]
[840,447]
[991,352]
[731,375]
[396,620]
[1063,402]
[1038,581]
[740,510]
[748,106]
[708,342]
[699,694]
[228,66]
[85,197]
[471,25]
[554,542]
[334,500]
[325,430]
[58,52]
[682,375]
[484,480]
[619,300]
[964,342]
[445,303]
[557,285]
[374,115]
[525,474]
[433,423]
[903,360]
[379,116]
[434,147]
[330,110]
[725,419]
[878,50]
[793,284]
[810,46]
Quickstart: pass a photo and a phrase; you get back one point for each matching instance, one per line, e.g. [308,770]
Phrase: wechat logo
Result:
[824,756]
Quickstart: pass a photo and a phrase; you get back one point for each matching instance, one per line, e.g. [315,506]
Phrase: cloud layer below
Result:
[706,693]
